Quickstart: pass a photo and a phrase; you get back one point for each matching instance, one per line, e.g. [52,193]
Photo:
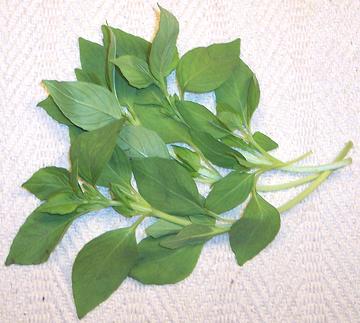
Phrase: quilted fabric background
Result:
[306,55]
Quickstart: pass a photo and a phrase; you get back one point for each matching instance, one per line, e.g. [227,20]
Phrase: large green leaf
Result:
[255,230]
[117,170]
[200,118]
[48,181]
[203,69]
[229,192]
[165,126]
[163,48]
[159,265]
[139,142]
[241,92]
[92,58]
[53,111]
[87,105]
[217,152]
[38,237]
[101,266]
[167,186]
[135,70]
[92,150]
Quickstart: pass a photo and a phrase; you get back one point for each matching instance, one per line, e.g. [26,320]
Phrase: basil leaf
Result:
[217,152]
[204,69]
[165,126]
[264,141]
[163,48]
[92,58]
[228,116]
[135,70]
[101,266]
[200,118]
[139,142]
[110,50]
[151,95]
[229,192]
[162,228]
[48,181]
[240,92]
[188,157]
[53,111]
[190,235]
[85,77]
[87,105]
[92,150]
[167,186]
[38,237]
[159,265]
[202,219]
[61,203]
[255,230]
[117,170]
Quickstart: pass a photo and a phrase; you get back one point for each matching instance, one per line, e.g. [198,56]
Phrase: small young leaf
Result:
[190,235]
[188,157]
[203,69]
[228,116]
[217,152]
[163,49]
[92,150]
[200,118]
[53,111]
[264,141]
[38,237]
[255,230]
[87,105]
[48,181]
[240,92]
[167,186]
[139,142]
[165,126]
[92,58]
[229,192]
[162,228]
[135,70]
[110,50]
[159,265]
[101,266]
[85,77]
[61,203]
[117,170]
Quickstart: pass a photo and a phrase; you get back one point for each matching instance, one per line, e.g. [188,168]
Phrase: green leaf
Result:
[164,125]
[101,266]
[85,77]
[162,228]
[61,203]
[229,192]
[120,193]
[135,70]
[255,230]
[151,95]
[264,141]
[117,170]
[53,111]
[190,235]
[188,157]
[92,150]
[87,105]
[204,69]
[92,58]
[167,186]
[159,265]
[228,116]
[139,142]
[240,92]
[217,152]
[163,48]
[110,50]
[48,181]
[38,237]
[200,118]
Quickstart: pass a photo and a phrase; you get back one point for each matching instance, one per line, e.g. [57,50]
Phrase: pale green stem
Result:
[137,222]
[218,217]
[168,217]
[285,186]
[319,168]
[313,186]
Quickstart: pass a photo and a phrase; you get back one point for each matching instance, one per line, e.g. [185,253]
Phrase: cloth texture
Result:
[306,55]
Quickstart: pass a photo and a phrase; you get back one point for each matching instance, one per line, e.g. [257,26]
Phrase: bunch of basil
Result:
[123,123]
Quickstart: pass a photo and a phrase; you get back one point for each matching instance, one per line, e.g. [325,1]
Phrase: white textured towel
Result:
[306,55]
